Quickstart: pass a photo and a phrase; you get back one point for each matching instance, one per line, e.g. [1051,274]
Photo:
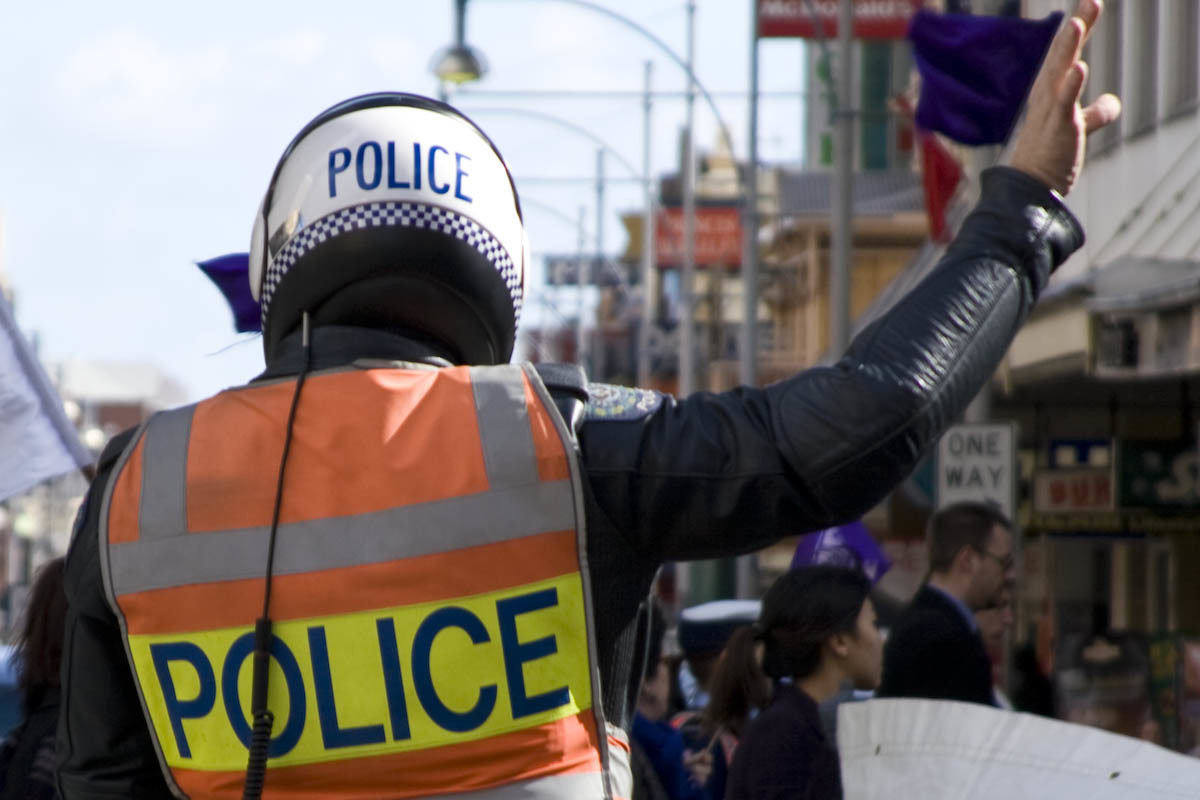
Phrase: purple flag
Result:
[231,274]
[976,71]
[848,545]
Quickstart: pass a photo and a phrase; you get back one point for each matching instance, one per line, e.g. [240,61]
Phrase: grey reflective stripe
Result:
[350,541]
[110,594]
[508,451]
[163,510]
[578,786]
[567,437]
[620,769]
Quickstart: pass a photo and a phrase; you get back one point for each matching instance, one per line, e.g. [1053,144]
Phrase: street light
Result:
[459,63]
[687,301]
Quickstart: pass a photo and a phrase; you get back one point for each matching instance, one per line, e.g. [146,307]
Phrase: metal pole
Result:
[595,263]
[580,282]
[746,569]
[460,21]
[843,205]
[648,276]
[460,35]
[687,302]
[749,354]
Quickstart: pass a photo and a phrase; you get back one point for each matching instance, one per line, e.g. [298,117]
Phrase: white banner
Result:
[37,441]
[940,750]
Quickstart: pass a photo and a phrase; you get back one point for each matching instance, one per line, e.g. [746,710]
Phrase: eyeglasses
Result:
[1006,562]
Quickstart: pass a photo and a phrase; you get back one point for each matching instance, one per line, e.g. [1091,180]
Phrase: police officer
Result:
[394,565]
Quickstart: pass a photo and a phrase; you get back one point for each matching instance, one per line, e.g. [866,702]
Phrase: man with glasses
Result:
[935,650]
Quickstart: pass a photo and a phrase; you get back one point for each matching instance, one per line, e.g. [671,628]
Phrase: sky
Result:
[138,138]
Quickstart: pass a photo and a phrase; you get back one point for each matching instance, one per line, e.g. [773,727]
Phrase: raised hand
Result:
[1051,143]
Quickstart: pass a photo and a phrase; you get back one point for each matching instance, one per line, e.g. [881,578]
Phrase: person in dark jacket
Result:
[818,628]
[27,760]
[936,650]
[658,478]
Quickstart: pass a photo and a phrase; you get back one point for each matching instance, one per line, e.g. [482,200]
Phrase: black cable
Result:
[264,719]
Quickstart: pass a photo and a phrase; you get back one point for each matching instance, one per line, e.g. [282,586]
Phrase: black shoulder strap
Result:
[568,385]
[568,378]
[116,445]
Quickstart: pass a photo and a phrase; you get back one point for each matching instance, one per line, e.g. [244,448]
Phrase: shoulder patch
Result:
[620,403]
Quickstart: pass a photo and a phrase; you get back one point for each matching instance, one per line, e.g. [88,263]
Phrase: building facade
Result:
[1104,383]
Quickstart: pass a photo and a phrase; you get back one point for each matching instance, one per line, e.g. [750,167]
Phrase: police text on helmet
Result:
[400,170]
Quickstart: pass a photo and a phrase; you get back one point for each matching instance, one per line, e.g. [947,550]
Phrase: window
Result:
[1174,337]
[1117,343]
[1182,26]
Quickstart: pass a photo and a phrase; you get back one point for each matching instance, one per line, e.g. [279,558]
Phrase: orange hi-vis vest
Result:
[430,600]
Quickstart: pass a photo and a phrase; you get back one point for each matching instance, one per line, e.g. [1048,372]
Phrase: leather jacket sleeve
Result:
[718,474]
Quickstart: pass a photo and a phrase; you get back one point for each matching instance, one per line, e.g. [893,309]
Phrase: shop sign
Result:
[1114,522]
[564,270]
[1159,475]
[978,462]
[718,236]
[818,19]
[1069,490]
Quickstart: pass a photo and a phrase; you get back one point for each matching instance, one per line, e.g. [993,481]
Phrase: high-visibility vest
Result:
[432,616]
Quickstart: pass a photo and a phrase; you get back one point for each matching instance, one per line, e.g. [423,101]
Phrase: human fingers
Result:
[1089,11]
[1071,89]
[1104,110]
[1064,48]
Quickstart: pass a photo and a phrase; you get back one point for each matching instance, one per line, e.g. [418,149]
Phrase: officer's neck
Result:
[341,345]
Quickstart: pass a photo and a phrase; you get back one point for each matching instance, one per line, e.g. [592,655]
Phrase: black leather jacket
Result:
[711,475]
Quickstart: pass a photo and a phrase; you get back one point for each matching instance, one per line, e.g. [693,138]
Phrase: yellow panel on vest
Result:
[374,682]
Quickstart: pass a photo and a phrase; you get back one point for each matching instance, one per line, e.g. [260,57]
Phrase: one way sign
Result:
[978,461]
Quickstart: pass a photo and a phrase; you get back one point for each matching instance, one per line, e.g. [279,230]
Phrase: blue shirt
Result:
[664,747]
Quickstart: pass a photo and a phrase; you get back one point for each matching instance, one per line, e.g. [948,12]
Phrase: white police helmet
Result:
[394,211]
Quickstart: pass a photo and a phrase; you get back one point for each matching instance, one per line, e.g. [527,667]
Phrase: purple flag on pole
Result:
[848,545]
[231,274]
[976,71]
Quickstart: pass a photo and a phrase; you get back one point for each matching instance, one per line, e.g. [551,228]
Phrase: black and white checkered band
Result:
[392,214]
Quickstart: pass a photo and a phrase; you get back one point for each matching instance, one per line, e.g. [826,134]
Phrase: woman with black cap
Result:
[818,630]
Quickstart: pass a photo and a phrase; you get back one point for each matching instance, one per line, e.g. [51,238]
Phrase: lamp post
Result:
[748,356]
[686,356]
[687,277]
[647,274]
[843,190]
[458,63]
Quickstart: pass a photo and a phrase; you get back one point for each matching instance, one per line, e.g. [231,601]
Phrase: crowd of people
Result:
[397,565]
[761,722]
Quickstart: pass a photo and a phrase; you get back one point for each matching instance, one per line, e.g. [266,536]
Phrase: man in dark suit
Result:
[935,649]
